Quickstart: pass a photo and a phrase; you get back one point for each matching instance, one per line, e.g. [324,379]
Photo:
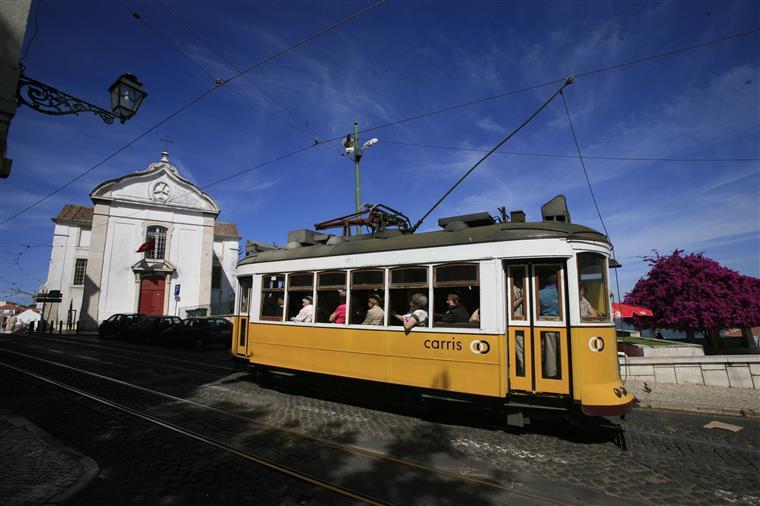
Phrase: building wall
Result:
[70,242]
[226,256]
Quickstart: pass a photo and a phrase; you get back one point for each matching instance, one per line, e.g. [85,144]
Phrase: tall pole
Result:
[357,157]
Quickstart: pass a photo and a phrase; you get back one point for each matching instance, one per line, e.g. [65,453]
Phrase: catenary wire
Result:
[195,100]
[568,82]
[158,33]
[236,69]
[587,157]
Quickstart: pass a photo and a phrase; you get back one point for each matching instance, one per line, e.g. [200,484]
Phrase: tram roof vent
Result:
[305,237]
[468,220]
[255,247]
[556,210]
[517,216]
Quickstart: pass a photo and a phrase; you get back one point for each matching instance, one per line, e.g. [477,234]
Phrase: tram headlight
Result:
[617,392]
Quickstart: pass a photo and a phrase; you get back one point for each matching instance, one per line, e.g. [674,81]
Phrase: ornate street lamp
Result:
[127,94]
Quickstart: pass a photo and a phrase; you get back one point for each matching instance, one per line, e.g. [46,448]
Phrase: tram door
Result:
[240,337]
[537,327]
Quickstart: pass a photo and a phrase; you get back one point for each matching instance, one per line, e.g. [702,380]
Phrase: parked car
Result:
[199,332]
[149,329]
[114,325]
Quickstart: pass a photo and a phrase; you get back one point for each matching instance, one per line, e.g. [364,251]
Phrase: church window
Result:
[79,271]
[158,236]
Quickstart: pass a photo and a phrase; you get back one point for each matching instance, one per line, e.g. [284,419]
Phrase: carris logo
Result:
[480,346]
[596,344]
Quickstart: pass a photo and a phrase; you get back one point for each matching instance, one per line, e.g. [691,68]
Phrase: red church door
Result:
[152,296]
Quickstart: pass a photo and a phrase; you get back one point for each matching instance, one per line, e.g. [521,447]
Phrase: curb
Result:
[707,410]
[90,468]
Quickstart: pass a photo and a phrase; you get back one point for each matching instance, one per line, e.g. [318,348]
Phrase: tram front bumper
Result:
[607,400]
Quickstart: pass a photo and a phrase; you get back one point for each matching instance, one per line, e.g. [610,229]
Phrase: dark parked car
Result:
[200,332]
[148,329]
[115,324]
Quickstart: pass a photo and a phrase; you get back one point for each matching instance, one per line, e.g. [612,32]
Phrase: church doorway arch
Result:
[152,290]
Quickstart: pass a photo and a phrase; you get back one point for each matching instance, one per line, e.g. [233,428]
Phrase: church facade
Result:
[150,244]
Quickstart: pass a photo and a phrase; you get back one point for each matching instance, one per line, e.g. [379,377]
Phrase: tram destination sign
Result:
[51,296]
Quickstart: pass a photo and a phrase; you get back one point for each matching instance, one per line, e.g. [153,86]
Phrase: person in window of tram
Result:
[475,316]
[375,313]
[339,315]
[306,314]
[587,311]
[548,297]
[456,312]
[417,315]
[517,302]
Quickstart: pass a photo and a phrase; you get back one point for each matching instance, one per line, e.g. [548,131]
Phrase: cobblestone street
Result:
[662,456]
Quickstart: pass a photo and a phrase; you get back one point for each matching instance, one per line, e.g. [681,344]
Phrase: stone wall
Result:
[740,371]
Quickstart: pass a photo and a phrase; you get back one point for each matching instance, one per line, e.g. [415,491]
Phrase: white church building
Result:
[186,260]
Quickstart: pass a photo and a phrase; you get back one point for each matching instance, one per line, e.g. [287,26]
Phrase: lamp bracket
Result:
[48,100]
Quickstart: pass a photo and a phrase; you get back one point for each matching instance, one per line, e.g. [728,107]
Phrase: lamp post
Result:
[355,151]
[126,92]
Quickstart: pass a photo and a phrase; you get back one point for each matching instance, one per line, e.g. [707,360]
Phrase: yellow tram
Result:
[539,337]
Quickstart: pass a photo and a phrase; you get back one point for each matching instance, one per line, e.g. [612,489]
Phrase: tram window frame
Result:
[523,269]
[558,273]
[296,293]
[359,295]
[245,287]
[268,300]
[403,290]
[329,295]
[595,292]
[466,288]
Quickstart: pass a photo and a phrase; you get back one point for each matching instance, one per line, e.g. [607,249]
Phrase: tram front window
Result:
[592,287]
[548,292]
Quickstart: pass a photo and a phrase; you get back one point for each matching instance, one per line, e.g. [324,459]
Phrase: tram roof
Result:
[472,235]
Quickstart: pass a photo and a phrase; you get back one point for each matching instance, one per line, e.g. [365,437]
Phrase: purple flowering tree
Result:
[692,293]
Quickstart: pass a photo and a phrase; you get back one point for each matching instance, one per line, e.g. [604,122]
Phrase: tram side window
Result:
[366,283]
[405,282]
[456,295]
[517,304]
[592,287]
[273,297]
[549,292]
[245,294]
[300,285]
[331,293]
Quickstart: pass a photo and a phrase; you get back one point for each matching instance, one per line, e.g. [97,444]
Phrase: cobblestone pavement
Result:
[663,456]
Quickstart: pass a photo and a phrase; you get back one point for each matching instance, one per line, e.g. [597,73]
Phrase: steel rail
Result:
[206,440]
[316,439]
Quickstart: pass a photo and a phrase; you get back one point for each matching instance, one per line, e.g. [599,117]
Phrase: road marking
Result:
[514,452]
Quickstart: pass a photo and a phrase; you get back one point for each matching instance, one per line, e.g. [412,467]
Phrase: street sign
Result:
[51,296]
[176,289]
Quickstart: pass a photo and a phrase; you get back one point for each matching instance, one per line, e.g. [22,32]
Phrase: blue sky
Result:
[400,60]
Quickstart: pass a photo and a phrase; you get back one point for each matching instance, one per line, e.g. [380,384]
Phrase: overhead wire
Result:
[136,15]
[236,69]
[591,191]
[197,99]
[568,82]
[34,33]
[574,157]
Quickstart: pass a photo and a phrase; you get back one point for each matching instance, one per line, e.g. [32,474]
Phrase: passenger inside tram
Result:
[548,296]
[455,311]
[375,313]
[417,316]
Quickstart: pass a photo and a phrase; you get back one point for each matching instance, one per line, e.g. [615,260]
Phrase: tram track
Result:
[441,474]
[639,441]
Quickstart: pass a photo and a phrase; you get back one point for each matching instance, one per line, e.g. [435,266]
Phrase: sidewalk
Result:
[743,402]
[37,469]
